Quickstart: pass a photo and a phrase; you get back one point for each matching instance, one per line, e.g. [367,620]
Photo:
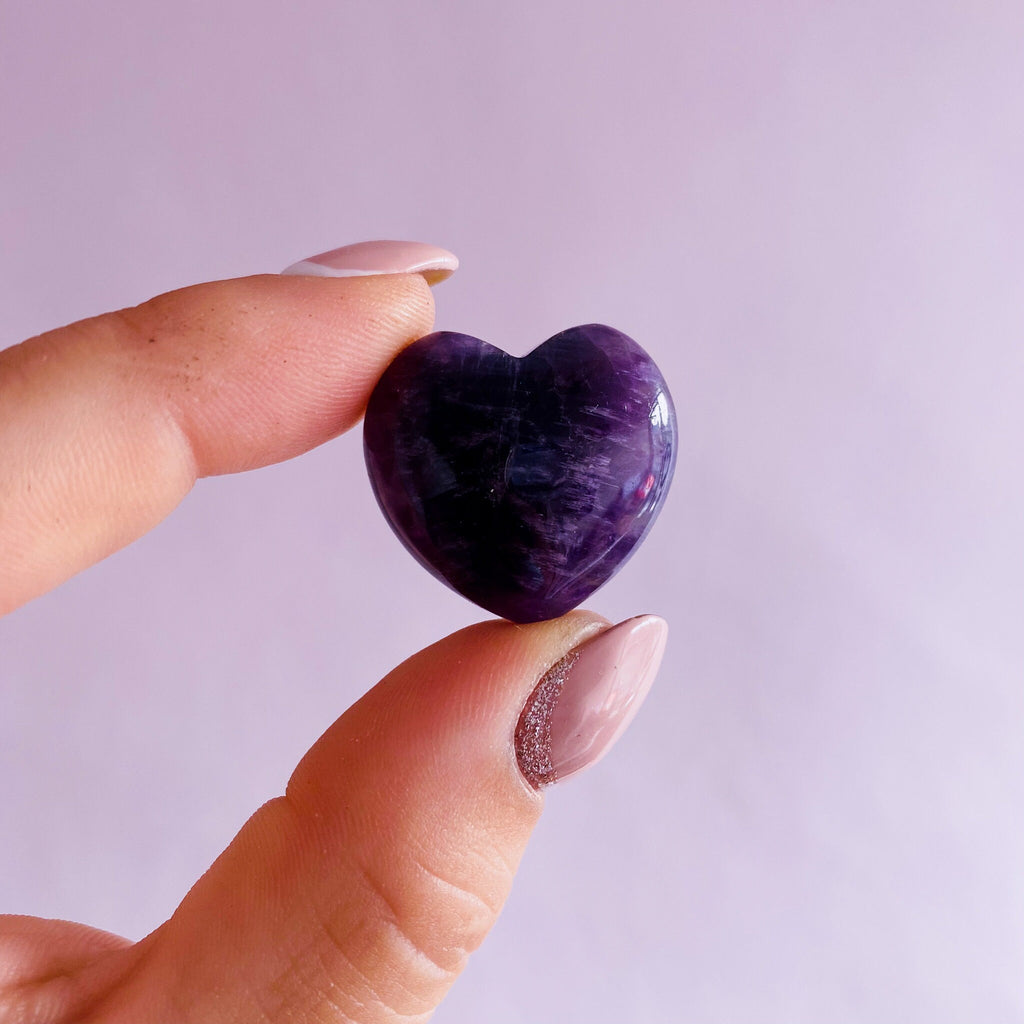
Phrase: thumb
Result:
[359,894]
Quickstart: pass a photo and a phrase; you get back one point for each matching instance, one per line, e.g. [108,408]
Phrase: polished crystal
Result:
[522,483]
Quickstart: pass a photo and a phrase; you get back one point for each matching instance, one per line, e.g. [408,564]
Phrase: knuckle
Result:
[398,940]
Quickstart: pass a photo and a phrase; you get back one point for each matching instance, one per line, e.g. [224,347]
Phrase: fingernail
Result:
[365,259]
[585,701]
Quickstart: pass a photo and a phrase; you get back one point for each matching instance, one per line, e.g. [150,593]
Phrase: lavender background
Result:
[811,213]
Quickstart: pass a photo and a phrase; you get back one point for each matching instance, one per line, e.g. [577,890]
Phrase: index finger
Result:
[105,425]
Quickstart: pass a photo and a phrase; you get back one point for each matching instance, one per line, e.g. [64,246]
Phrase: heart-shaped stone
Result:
[523,484]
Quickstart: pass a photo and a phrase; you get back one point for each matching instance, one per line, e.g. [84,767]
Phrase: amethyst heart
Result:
[523,484]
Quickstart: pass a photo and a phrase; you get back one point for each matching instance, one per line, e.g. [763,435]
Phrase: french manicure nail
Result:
[365,259]
[584,702]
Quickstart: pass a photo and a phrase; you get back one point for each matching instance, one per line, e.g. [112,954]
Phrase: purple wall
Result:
[811,214]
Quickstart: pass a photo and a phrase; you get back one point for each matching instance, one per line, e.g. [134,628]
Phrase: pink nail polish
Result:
[585,701]
[365,259]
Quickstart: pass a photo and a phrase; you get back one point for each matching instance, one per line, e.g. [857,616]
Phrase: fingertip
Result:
[115,417]
[266,367]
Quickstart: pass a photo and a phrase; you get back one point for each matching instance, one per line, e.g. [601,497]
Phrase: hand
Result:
[358,894]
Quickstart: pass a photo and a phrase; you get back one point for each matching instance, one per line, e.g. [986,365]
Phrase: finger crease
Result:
[457,890]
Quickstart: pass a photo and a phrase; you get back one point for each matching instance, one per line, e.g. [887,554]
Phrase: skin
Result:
[358,893]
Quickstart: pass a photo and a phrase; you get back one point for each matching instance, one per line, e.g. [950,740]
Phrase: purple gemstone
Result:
[523,484]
